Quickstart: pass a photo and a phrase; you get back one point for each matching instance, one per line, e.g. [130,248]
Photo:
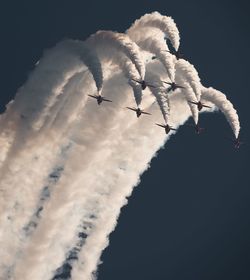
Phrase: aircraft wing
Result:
[130,108]
[167,83]
[206,106]
[161,125]
[93,96]
[192,102]
[135,80]
[146,113]
[104,99]
[180,87]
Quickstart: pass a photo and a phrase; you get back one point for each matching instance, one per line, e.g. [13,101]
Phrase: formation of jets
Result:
[172,87]
[198,130]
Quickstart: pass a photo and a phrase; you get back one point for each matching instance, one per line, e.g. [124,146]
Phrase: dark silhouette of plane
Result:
[172,50]
[199,105]
[166,127]
[177,54]
[197,128]
[236,142]
[173,86]
[138,111]
[99,98]
[143,84]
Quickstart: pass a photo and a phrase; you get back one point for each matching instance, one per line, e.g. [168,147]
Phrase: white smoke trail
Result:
[88,57]
[52,73]
[161,97]
[108,40]
[189,95]
[30,168]
[110,46]
[140,134]
[65,59]
[165,24]
[221,102]
[189,73]
[36,151]
[132,76]
[59,102]
[58,204]
[148,40]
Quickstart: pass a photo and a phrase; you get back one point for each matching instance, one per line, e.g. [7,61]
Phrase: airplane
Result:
[199,105]
[177,54]
[166,127]
[197,128]
[236,142]
[99,98]
[138,111]
[144,84]
[173,86]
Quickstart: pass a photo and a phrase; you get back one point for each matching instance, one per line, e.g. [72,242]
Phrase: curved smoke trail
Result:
[189,73]
[189,96]
[161,98]
[165,24]
[130,73]
[149,41]
[221,102]
[73,163]
[120,42]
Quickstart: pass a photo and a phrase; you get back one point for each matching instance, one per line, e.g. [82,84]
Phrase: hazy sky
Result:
[189,217]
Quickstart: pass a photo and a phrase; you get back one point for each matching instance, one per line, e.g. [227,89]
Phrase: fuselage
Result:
[237,143]
[143,85]
[167,129]
[138,112]
[198,130]
[174,86]
[99,99]
[199,105]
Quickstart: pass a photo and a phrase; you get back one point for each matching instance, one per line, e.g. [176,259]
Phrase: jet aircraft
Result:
[199,105]
[173,86]
[236,142]
[177,54]
[99,98]
[197,128]
[143,84]
[166,127]
[138,111]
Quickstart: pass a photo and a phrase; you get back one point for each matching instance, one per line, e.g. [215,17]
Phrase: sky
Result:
[189,216]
